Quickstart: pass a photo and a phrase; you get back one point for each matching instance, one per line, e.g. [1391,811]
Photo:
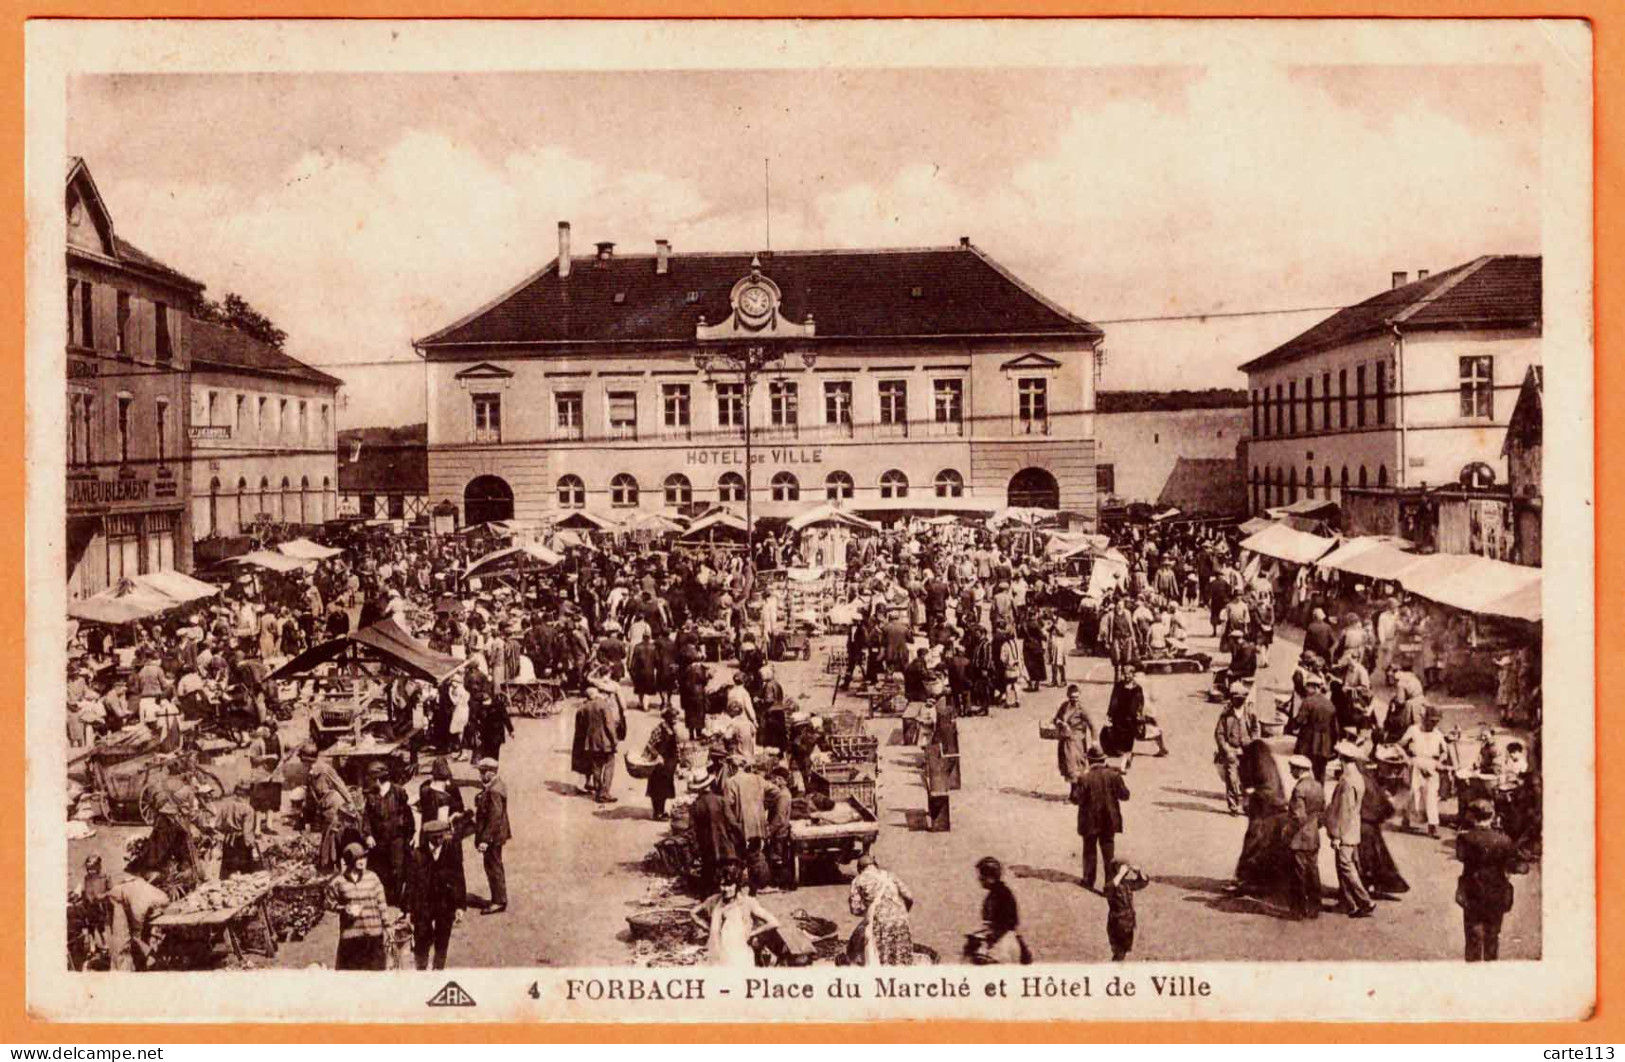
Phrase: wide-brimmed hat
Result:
[309,751]
[701,783]
[1095,756]
[486,763]
[1349,751]
[377,770]
[1481,810]
[354,852]
[440,770]
[1302,763]
[435,827]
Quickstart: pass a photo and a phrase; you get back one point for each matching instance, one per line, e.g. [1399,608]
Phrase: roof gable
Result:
[1491,291]
[485,371]
[892,293]
[1031,360]
[90,225]
[1527,424]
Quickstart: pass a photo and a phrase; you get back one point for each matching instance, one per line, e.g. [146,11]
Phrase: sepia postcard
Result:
[779,521]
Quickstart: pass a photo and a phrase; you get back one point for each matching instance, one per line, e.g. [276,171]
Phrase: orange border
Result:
[1607,1024]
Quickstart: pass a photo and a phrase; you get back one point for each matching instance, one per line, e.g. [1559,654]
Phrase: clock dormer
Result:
[755,300]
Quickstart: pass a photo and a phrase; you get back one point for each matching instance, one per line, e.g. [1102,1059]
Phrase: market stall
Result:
[306,550]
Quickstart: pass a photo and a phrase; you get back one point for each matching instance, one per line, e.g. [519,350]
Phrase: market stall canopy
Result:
[273,561]
[1477,584]
[1065,543]
[1028,517]
[828,514]
[177,585]
[570,540]
[528,557]
[1309,507]
[382,643]
[587,520]
[720,520]
[1283,543]
[305,549]
[925,503]
[1255,525]
[654,523]
[125,603]
[1374,557]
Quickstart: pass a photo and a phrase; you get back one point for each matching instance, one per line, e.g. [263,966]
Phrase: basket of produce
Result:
[812,925]
[638,768]
[667,924]
[1049,732]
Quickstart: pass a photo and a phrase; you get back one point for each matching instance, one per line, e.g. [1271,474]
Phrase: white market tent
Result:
[1477,584]
[140,597]
[1283,543]
[178,585]
[273,561]
[1373,557]
[305,549]
[827,514]
[719,519]
[528,557]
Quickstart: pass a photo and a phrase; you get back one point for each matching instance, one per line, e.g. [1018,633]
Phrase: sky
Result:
[362,211]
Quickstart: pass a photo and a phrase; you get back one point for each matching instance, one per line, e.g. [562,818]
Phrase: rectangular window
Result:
[304,424]
[1255,412]
[948,401]
[1308,403]
[1032,404]
[894,403]
[783,403]
[623,414]
[73,430]
[237,421]
[487,418]
[124,402]
[213,403]
[730,405]
[327,426]
[1477,386]
[163,431]
[1342,398]
[281,419]
[567,414]
[1326,400]
[838,402]
[674,405]
[1382,393]
[1292,408]
[1359,395]
[73,308]
[121,337]
[1280,410]
[89,404]
[1105,479]
[166,352]
[87,315]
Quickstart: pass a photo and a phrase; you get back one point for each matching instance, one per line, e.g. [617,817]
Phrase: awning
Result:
[585,520]
[1321,507]
[1283,543]
[1027,516]
[125,603]
[1255,525]
[1371,557]
[383,643]
[720,520]
[273,561]
[528,557]
[571,540]
[1477,584]
[655,523]
[305,549]
[827,514]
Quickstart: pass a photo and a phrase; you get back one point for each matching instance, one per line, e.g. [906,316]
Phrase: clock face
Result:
[755,302]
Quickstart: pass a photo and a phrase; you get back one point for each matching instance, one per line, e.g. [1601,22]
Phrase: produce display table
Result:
[223,920]
[820,842]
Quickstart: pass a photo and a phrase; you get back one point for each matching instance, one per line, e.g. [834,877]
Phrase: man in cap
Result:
[389,829]
[716,837]
[1305,810]
[1484,891]
[1319,637]
[436,893]
[491,832]
[1317,725]
[1343,829]
[1429,753]
[1099,795]
[358,896]
[134,903]
[235,821]
[1231,733]
[603,729]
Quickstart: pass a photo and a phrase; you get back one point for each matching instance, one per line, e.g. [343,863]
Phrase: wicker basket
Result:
[672,924]
[1047,732]
[639,769]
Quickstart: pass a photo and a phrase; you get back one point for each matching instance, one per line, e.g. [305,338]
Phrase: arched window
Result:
[1292,484]
[1382,475]
[1309,482]
[282,511]
[1327,481]
[731,487]
[893,484]
[950,484]
[623,491]
[214,506]
[1343,481]
[838,486]
[1362,475]
[786,487]
[304,491]
[679,491]
[242,494]
[1280,488]
[327,491]
[265,497]
[572,493]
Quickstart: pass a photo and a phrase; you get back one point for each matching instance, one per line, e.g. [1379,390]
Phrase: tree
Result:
[234,312]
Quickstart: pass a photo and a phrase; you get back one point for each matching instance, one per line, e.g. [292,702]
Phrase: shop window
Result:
[679,491]
[623,491]
[838,486]
[893,484]
[1477,386]
[572,493]
[214,506]
[786,488]
[731,487]
[950,484]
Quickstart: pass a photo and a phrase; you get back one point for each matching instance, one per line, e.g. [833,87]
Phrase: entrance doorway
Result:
[487,498]
[1034,488]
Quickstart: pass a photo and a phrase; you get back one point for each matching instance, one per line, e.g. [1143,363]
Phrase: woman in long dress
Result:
[1377,864]
[733,920]
[884,937]
[1262,866]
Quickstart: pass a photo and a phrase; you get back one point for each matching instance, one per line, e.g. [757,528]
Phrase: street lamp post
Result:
[746,361]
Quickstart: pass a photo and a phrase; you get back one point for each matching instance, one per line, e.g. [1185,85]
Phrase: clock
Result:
[756,303]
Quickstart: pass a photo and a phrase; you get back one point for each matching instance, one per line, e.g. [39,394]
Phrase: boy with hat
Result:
[1483,891]
[436,893]
[358,896]
[1305,809]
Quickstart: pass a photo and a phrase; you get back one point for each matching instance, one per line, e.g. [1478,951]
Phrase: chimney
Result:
[964,243]
[606,251]
[1421,274]
[564,249]
[662,256]
[1399,278]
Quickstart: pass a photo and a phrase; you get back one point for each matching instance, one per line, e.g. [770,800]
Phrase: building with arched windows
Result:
[912,379]
[1412,388]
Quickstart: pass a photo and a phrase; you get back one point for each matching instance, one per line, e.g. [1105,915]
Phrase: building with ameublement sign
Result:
[128,359]
[901,379]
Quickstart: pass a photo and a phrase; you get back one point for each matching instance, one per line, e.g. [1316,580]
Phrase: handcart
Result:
[814,842]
